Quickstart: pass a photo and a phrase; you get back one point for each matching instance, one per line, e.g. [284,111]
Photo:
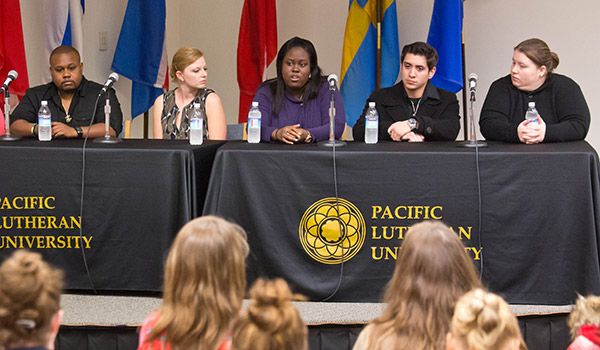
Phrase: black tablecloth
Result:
[138,194]
[539,232]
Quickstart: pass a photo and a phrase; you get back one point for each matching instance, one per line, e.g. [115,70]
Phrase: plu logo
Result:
[332,231]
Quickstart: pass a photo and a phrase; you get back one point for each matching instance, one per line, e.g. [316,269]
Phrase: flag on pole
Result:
[141,53]
[64,26]
[257,47]
[445,35]
[12,48]
[12,51]
[359,54]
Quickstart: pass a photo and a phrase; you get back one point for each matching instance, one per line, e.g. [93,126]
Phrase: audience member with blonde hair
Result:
[30,311]
[270,322]
[432,272]
[173,110]
[585,323]
[205,280]
[483,321]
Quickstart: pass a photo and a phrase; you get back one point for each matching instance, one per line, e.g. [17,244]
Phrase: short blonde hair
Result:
[585,311]
[484,321]
[271,322]
[182,59]
[29,298]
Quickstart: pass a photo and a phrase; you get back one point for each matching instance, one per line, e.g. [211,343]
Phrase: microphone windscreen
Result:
[114,76]
[332,77]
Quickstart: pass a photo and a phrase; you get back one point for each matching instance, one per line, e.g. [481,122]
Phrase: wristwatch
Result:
[412,122]
[79,131]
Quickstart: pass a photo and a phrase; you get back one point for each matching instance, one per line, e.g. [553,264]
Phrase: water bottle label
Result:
[45,121]
[196,124]
[371,124]
[254,122]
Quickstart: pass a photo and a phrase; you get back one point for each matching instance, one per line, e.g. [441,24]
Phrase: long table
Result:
[538,242]
[137,195]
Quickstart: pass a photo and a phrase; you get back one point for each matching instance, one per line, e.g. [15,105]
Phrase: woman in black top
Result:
[563,112]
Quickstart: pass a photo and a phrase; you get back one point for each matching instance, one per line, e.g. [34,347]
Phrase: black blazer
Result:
[437,114]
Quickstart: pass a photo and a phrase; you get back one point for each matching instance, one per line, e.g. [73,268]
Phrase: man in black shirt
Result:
[414,110]
[71,99]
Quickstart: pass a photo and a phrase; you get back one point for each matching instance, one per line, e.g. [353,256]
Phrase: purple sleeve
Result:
[264,98]
[321,132]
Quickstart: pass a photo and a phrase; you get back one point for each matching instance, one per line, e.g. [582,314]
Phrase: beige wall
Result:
[492,28]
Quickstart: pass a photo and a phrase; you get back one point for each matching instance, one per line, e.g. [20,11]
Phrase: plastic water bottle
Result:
[371,124]
[532,114]
[196,126]
[44,123]
[254,123]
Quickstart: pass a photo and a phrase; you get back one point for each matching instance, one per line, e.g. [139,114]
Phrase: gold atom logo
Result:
[332,231]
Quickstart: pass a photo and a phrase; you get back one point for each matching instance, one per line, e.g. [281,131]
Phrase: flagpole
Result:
[464,89]
[378,4]
[146,125]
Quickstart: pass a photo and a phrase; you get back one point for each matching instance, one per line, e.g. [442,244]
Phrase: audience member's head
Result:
[270,322]
[29,301]
[205,280]
[584,322]
[432,272]
[483,321]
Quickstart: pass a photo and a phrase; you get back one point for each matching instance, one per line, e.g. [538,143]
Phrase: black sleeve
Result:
[358,130]
[572,112]
[494,121]
[26,109]
[385,120]
[444,125]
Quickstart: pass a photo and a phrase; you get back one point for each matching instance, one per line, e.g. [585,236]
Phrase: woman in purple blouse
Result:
[295,105]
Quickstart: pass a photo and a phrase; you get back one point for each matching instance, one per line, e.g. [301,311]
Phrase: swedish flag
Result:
[359,55]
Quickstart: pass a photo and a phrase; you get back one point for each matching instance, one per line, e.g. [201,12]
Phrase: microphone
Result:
[473,81]
[112,78]
[333,80]
[12,75]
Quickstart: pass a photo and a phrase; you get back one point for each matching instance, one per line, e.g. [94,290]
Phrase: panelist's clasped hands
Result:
[400,131]
[531,133]
[61,129]
[292,134]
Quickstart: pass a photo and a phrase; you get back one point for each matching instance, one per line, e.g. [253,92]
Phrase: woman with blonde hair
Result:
[173,110]
[205,280]
[584,322]
[483,321]
[30,311]
[271,322]
[432,272]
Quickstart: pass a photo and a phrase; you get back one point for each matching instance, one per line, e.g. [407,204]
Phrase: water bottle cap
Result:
[372,104]
[254,103]
[44,103]
[532,104]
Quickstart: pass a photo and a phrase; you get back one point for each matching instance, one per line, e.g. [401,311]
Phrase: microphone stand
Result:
[332,142]
[7,136]
[107,138]
[472,142]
